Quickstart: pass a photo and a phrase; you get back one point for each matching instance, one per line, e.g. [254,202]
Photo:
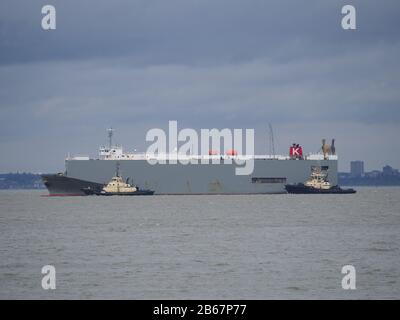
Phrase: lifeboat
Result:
[232,152]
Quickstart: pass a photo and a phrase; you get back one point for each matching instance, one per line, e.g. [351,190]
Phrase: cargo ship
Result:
[270,175]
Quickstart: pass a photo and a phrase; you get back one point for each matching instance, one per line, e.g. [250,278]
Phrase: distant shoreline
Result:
[370,182]
[21,181]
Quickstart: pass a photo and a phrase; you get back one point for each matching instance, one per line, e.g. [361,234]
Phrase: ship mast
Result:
[117,175]
[117,169]
[110,135]
[271,141]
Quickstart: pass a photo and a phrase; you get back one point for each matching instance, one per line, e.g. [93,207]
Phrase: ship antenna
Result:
[271,141]
[110,135]
[117,169]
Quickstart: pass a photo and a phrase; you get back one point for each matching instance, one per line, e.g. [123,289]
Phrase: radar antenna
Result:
[271,141]
[110,135]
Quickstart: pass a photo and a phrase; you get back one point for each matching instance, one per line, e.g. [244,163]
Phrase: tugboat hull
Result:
[136,193]
[90,192]
[303,189]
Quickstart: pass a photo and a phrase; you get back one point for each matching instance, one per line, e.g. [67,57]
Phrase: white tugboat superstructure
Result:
[318,180]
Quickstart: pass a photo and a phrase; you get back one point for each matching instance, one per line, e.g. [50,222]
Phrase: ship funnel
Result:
[325,148]
[333,148]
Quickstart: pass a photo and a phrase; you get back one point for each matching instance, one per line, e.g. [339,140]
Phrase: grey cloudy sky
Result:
[136,64]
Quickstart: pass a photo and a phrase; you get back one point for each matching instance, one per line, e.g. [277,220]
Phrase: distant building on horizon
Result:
[389,171]
[389,176]
[357,168]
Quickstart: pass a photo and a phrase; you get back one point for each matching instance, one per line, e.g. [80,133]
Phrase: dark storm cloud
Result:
[220,63]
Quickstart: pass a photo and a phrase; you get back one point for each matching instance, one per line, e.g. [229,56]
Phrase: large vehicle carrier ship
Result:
[270,175]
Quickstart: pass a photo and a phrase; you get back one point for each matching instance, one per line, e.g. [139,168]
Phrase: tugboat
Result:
[118,187]
[317,183]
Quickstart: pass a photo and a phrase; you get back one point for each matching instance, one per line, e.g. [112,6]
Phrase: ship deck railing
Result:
[183,157]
